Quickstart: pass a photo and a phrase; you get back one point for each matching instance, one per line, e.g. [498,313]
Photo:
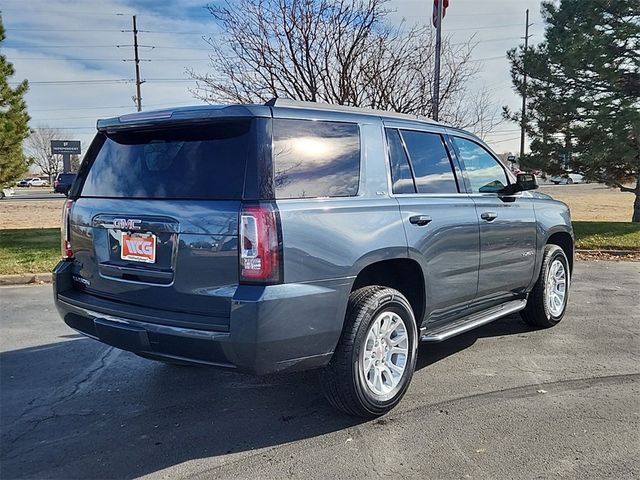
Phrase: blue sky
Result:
[84,43]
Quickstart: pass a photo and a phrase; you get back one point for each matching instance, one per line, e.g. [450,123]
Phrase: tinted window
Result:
[484,172]
[206,162]
[400,170]
[430,162]
[315,159]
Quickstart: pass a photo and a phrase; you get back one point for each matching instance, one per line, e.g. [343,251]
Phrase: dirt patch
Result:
[31,214]
[593,201]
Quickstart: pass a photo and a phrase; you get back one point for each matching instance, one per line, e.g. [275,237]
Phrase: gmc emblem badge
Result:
[126,223]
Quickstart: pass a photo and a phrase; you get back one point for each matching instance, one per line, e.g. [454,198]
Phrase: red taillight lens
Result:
[259,246]
[67,252]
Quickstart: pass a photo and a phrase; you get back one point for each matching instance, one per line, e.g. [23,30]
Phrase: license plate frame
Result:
[134,247]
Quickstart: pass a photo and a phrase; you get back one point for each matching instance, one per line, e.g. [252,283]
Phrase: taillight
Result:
[67,252]
[259,244]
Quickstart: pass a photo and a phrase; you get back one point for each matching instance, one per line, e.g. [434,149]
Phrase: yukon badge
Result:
[126,223]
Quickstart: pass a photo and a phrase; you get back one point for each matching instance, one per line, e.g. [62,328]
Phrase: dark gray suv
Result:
[293,235]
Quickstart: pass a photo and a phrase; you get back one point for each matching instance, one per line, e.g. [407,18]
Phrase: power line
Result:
[101,107]
[78,82]
[504,132]
[115,59]
[103,81]
[188,32]
[165,47]
[208,49]
[25,47]
[497,57]
[504,140]
[61,30]
[62,12]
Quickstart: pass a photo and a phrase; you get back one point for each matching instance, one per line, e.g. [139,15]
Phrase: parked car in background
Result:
[38,182]
[6,192]
[63,183]
[295,235]
[32,182]
[567,179]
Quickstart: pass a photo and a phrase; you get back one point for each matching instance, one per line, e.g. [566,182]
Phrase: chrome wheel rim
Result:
[383,359]
[556,288]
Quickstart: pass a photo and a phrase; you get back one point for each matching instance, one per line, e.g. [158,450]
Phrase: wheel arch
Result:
[564,240]
[402,274]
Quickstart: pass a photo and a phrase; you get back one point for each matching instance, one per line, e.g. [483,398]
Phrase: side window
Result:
[485,174]
[430,162]
[315,159]
[400,169]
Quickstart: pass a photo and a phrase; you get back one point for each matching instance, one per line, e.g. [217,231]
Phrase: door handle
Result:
[489,216]
[420,220]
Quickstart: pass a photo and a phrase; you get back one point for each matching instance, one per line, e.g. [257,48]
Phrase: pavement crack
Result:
[48,407]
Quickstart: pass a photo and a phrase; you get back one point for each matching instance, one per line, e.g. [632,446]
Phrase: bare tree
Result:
[38,147]
[345,52]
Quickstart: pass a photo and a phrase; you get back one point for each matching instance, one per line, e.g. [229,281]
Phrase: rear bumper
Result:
[272,328]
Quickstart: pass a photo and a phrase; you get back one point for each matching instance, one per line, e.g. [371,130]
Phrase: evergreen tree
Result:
[583,92]
[14,123]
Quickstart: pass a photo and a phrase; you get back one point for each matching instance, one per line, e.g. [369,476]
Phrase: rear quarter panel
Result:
[328,241]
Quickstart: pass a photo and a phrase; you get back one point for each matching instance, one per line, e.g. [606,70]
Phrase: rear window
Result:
[315,158]
[189,162]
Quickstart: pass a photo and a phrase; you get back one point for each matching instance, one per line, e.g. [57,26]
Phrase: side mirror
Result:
[524,181]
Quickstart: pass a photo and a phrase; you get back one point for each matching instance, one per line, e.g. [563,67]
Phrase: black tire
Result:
[342,381]
[537,312]
[569,181]
[1,195]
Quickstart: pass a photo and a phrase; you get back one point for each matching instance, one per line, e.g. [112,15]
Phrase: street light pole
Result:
[436,80]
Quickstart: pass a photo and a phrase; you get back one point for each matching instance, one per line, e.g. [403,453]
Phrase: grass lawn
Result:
[37,250]
[29,250]
[607,235]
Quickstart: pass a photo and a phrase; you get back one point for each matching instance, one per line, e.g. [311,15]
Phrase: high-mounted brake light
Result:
[67,251]
[259,244]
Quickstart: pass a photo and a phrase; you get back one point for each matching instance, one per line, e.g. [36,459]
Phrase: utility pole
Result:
[137,62]
[436,80]
[523,119]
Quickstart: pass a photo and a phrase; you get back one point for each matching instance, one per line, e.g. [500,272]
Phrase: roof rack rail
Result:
[287,102]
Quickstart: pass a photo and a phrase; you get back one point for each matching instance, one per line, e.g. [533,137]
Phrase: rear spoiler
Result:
[181,115]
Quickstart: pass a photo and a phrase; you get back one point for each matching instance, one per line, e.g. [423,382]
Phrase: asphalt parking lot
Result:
[504,401]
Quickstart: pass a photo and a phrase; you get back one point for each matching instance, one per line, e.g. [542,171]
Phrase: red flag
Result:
[445,4]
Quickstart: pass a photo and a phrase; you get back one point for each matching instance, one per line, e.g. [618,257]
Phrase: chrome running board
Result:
[448,330]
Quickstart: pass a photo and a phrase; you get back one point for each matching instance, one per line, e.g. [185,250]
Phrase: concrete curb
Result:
[25,279]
